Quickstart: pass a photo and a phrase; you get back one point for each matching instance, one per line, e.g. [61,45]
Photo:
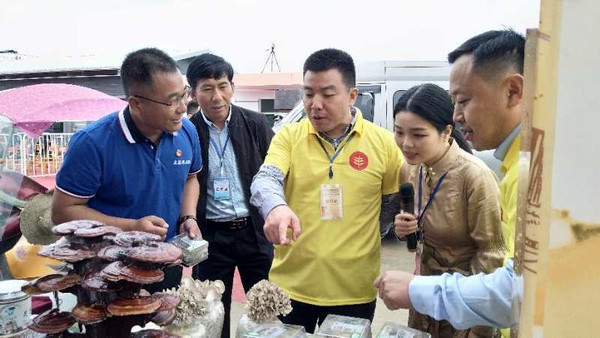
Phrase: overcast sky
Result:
[242,31]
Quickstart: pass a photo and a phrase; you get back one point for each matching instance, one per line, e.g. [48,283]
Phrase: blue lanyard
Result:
[435,190]
[337,152]
[220,153]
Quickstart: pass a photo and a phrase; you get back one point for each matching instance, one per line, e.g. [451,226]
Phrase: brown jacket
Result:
[462,229]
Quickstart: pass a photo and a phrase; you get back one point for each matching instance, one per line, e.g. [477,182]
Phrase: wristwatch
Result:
[185,218]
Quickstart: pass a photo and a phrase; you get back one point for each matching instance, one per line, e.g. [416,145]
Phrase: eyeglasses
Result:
[183,97]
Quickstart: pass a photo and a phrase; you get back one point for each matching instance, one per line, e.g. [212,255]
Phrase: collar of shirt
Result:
[335,142]
[500,152]
[210,123]
[443,164]
[130,130]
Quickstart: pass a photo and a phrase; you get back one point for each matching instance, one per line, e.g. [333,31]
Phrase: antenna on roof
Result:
[273,58]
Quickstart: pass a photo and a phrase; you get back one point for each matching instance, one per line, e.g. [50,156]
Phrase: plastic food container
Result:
[395,330]
[15,307]
[271,329]
[344,327]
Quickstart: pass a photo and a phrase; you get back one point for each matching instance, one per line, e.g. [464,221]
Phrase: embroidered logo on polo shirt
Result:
[182,162]
[358,160]
[178,152]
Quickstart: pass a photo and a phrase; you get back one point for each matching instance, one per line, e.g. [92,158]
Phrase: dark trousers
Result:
[308,315]
[230,248]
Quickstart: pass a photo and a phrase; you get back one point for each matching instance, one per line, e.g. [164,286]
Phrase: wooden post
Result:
[558,228]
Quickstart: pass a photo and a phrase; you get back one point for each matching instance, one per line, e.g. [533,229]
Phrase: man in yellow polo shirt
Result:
[320,191]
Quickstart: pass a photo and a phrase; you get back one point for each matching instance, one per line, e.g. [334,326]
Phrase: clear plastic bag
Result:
[194,250]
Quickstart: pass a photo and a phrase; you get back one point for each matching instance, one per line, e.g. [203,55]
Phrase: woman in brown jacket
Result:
[457,210]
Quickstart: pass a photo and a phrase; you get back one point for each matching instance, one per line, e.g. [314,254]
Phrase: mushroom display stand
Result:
[107,271]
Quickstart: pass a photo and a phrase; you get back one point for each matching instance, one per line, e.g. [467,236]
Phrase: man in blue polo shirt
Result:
[136,169]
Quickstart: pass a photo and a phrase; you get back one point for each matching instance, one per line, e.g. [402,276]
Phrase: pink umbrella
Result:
[34,108]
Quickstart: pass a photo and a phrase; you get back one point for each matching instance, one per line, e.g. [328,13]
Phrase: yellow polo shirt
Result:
[334,262]
[508,195]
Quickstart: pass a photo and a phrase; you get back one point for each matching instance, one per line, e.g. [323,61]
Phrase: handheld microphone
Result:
[407,204]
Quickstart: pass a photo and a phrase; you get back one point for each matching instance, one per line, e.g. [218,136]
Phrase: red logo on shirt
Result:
[358,160]
[178,153]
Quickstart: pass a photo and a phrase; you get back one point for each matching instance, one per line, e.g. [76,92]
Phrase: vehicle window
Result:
[397,96]
[295,115]
[366,104]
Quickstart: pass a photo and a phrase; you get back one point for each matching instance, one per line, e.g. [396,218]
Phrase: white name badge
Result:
[331,202]
[221,189]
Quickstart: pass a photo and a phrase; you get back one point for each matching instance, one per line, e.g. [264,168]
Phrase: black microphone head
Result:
[407,191]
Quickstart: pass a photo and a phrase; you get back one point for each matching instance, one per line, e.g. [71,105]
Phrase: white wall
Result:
[249,99]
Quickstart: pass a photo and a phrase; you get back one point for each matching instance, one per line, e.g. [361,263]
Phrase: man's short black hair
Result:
[330,58]
[208,66]
[139,66]
[493,51]
[192,107]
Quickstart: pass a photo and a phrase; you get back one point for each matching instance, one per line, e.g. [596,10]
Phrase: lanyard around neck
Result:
[335,155]
[220,152]
[420,191]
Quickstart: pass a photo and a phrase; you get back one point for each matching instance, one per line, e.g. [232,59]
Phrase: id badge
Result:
[331,202]
[221,189]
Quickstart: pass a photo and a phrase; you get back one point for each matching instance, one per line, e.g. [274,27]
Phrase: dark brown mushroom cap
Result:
[97,231]
[52,322]
[112,271]
[31,289]
[112,252]
[135,238]
[133,306]
[161,253]
[66,252]
[95,282]
[57,282]
[109,238]
[164,318]
[68,228]
[117,271]
[89,314]
[168,301]
[152,334]
[138,275]
[175,263]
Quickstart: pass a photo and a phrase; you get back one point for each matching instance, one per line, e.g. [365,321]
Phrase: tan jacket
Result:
[462,228]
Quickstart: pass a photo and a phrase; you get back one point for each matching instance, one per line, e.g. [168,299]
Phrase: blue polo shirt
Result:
[123,174]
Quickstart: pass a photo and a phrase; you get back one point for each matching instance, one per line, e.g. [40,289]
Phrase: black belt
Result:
[236,224]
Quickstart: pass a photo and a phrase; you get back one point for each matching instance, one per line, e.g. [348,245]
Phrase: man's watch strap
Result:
[185,218]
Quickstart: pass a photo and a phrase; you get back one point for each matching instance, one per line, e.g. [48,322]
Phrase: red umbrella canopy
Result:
[34,108]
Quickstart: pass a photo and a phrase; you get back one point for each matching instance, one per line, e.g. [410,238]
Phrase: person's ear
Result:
[515,83]
[447,133]
[353,96]
[134,103]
